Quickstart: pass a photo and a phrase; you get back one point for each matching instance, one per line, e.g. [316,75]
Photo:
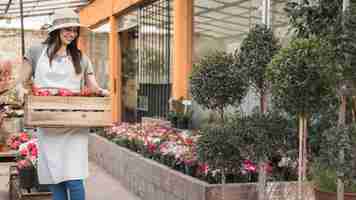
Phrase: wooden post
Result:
[342,120]
[301,161]
[262,176]
[183,47]
[115,68]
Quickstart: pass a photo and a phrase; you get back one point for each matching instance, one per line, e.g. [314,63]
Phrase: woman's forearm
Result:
[93,84]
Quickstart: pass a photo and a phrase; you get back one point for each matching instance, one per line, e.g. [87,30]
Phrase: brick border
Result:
[150,180]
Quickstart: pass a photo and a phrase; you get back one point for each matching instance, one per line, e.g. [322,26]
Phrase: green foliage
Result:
[303,76]
[217,82]
[326,180]
[313,18]
[218,147]
[264,136]
[256,51]
[325,19]
[320,122]
[335,141]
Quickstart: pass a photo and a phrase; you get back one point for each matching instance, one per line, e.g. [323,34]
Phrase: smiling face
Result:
[67,35]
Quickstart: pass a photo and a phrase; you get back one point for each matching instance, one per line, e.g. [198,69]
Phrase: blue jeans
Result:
[75,188]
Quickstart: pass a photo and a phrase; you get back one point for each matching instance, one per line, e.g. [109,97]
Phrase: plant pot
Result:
[2,147]
[320,195]
[27,177]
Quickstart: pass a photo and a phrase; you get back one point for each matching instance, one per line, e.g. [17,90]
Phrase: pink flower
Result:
[23,164]
[34,152]
[24,137]
[203,168]
[23,152]
[151,147]
[249,166]
[268,167]
[15,145]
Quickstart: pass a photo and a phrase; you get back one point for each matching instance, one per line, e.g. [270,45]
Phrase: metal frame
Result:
[205,19]
[153,74]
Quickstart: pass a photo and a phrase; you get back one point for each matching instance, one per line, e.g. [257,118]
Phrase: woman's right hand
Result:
[6,77]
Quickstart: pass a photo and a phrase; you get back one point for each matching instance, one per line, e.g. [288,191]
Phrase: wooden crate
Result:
[58,111]
[17,193]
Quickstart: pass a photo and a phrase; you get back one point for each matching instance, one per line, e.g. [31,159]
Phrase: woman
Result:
[58,63]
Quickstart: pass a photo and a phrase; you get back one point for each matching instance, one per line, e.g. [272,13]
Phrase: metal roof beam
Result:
[226,5]
[47,5]
[7,6]
[47,9]
[50,6]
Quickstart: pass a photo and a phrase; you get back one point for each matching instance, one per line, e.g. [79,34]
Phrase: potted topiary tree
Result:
[335,22]
[256,52]
[217,81]
[303,77]
[218,148]
[336,161]
[264,137]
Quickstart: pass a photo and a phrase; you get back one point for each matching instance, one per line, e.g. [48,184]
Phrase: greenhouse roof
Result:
[233,18]
[10,9]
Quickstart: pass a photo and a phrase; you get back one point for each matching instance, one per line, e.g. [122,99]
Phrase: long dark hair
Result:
[54,43]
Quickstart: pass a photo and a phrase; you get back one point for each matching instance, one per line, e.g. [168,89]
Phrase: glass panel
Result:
[98,52]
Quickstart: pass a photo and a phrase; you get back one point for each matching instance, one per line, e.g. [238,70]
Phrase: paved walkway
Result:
[99,186]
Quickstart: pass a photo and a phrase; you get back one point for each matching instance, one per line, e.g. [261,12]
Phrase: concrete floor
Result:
[99,186]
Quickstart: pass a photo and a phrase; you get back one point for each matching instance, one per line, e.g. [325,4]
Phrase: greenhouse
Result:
[178,99]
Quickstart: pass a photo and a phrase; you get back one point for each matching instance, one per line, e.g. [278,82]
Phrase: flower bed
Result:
[150,180]
[177,149]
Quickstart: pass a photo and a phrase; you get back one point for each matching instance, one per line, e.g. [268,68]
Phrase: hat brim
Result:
[65,25]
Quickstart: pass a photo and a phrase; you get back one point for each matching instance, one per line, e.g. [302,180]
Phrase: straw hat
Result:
[63,18]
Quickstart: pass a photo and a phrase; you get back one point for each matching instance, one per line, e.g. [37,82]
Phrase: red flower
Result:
[43,93]
[35,90]
[85,92]
[65,92]
[15,145]
[189,141]
[24,152]
[249,166]
[203,168]
[151,147]
[24,137]
[34,152]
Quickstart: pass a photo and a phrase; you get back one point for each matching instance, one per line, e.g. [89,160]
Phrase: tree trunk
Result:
[223,181]
[341,122]
[302,155]
[264,101]
[262,176]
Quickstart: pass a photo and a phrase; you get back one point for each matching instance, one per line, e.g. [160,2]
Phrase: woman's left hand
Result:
[104,92]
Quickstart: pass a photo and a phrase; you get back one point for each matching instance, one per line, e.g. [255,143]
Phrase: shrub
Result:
[217,81]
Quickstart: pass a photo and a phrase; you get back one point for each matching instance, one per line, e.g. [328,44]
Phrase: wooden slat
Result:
[69,103]
[54,111]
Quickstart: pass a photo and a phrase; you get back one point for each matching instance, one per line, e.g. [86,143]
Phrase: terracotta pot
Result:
[2,147]
[320,195]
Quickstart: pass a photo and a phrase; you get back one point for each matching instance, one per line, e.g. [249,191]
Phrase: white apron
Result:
[63,152]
